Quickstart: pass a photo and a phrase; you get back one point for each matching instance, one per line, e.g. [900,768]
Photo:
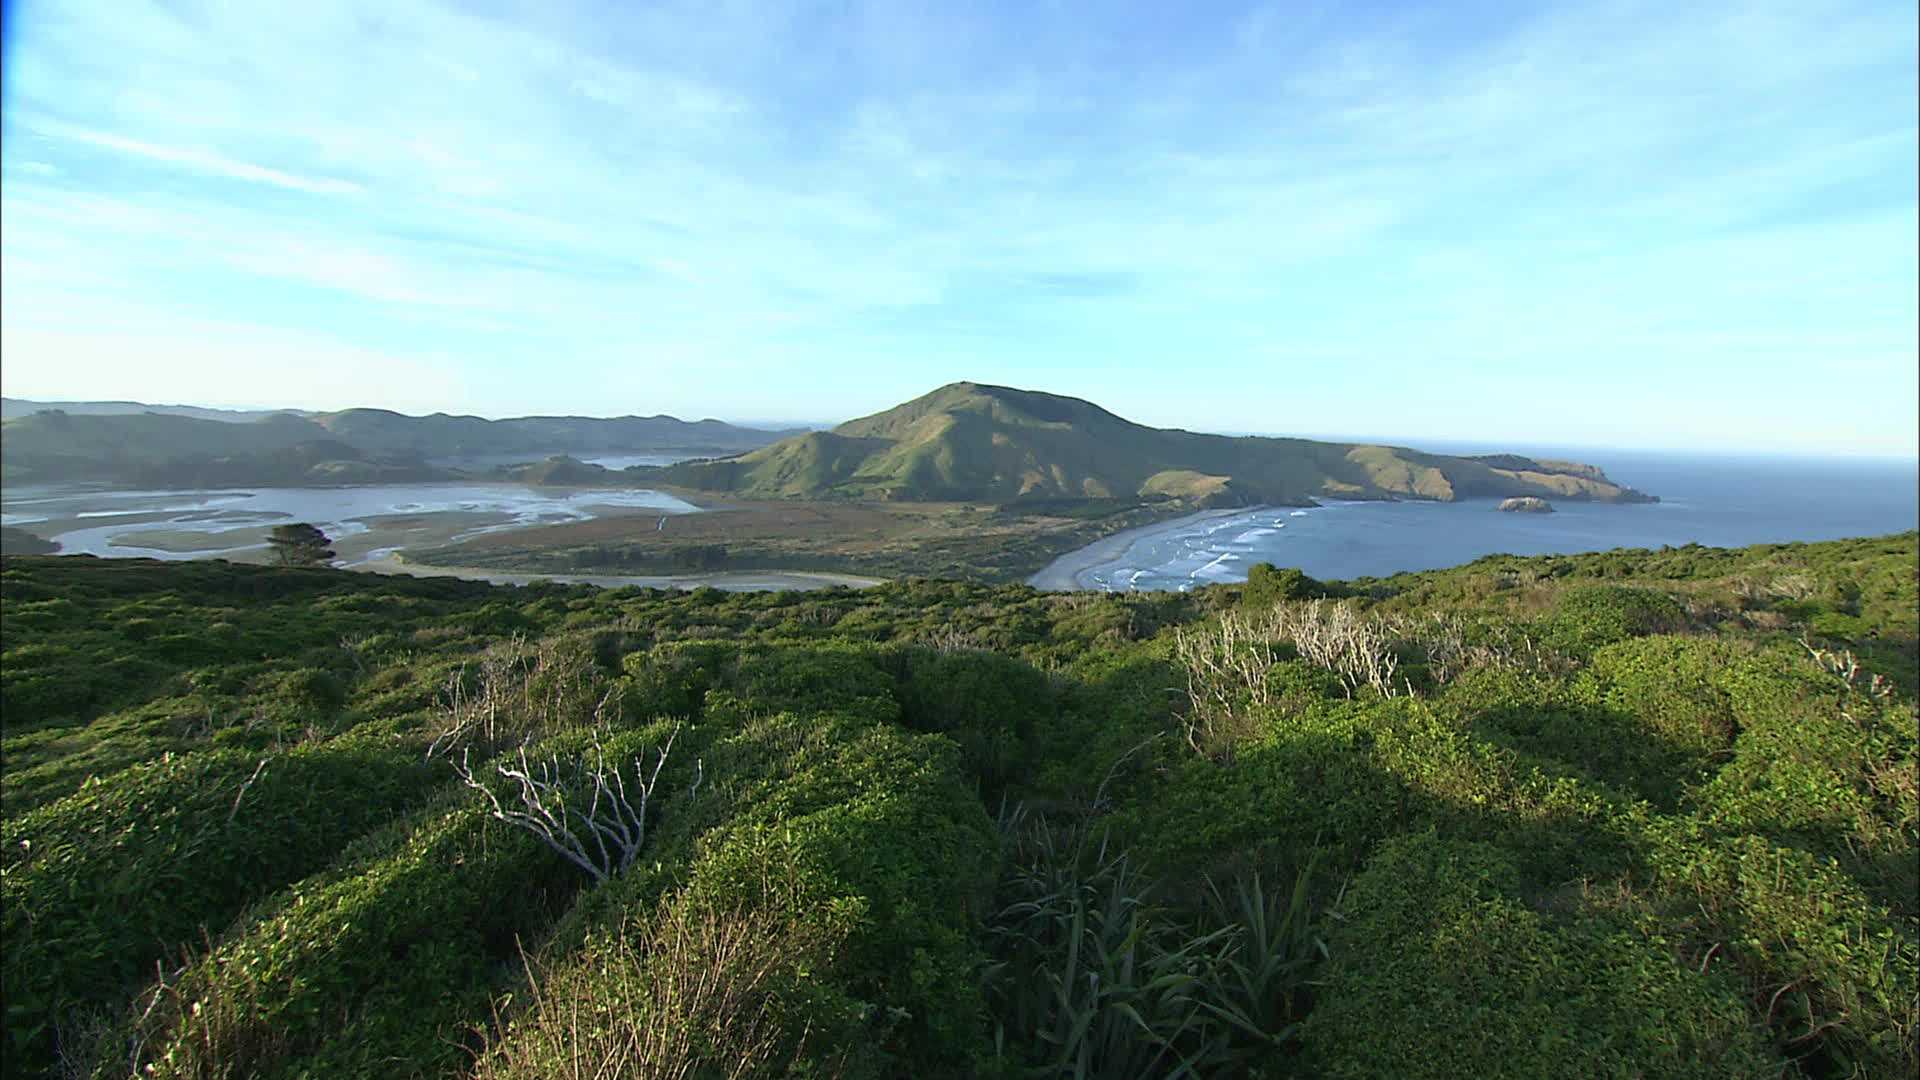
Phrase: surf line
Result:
[1223,557]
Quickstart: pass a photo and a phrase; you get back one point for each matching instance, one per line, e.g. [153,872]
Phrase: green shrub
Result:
[805,679]
[1647,718]
[134,867]
[989,704]
[1552,824]
[1439,970]
[1841,627]
[1314,784]
[1295,684]
[1268,585]
[380,967]
[301,700]
[1108,728]
[1825,769]
[839,829]
[1835,975]
[1589,616]
[884,819]
[1671,686]
[1342,776]
[375,972]
[43,683]
[1536,714]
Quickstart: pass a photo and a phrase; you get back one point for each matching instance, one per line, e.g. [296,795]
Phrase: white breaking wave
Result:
[1214,571]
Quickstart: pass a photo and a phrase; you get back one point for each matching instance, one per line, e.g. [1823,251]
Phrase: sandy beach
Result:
[741,581]
[1062,575]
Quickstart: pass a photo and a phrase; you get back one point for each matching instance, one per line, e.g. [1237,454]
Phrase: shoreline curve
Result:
[1063,573]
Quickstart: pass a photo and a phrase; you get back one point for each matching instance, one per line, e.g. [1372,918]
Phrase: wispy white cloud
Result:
[201,161]
[634,197]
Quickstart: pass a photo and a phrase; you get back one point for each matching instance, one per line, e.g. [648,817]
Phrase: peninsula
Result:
[972,442]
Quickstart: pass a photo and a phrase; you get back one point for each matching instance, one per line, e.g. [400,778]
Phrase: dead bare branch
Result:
[601,839]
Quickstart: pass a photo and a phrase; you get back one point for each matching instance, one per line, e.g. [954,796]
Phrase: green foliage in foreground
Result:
[107,882]
[1436,942]
[1630,814]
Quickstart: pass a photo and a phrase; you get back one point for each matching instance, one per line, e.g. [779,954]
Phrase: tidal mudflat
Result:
[365,523]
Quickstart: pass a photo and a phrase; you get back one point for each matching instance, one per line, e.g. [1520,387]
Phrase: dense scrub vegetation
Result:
[1637,814]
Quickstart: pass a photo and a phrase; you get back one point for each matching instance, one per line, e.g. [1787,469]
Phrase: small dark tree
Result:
[300,545]
[1268,585]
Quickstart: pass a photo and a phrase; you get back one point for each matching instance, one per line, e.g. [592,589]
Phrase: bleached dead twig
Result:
[603,838]
[257,770]
[1848,668]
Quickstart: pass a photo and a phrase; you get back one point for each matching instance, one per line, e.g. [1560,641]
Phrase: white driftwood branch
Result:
[603,838]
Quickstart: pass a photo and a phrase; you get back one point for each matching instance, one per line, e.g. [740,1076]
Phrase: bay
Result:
[1719,501]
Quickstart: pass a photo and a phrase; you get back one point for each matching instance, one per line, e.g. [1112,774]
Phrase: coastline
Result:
[1062,574]
[734,581]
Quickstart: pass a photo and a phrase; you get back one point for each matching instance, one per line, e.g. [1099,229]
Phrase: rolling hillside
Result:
[441,435]
[12,408]
[356,445]
[968,441]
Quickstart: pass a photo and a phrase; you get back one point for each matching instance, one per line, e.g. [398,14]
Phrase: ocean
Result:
[1713,500]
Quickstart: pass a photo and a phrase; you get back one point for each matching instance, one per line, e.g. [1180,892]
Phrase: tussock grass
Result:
[692,990]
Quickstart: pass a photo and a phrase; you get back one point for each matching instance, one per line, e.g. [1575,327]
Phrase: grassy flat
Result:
[880,539]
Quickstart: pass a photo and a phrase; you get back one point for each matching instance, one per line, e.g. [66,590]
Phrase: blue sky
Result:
[1590,223]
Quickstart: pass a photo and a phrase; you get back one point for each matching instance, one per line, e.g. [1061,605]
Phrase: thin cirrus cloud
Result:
[199,161]
[1591,218]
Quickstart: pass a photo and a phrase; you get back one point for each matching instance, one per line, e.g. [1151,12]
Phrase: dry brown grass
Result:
[1228,661]
[694,990]
[197,1023]
[519,690]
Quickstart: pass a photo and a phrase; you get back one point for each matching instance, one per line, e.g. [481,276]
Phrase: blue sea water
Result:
[1717,501]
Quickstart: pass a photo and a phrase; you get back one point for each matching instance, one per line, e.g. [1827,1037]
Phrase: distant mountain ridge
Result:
[969,441]
[350,446]
[13,408]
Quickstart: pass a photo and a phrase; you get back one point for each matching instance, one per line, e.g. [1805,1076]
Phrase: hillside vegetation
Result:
[356,446]
[1634,814]
[968,442]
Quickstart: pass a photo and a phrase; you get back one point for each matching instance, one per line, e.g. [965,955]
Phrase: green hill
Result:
[352,446]
[1629,814]
[968,441]
[558,471]
[17,407]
